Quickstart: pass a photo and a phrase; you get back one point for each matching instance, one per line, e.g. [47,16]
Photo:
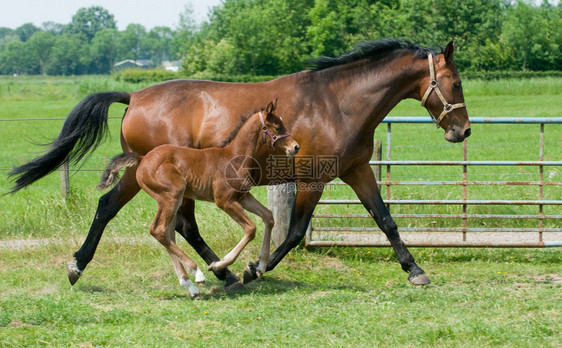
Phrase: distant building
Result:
[130,64]
[174,65]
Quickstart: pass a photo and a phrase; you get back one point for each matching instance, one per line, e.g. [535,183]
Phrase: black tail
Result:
[82,132]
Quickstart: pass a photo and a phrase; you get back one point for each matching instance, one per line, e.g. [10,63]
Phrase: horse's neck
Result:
[363,95]
[246,141]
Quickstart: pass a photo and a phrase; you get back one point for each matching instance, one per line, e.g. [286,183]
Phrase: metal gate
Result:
[538,226]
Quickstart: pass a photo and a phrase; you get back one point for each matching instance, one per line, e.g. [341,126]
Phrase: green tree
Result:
[88,21]
[103,50]
[261,37]
[53,28]
[40,45]
[130,42]
[183,37]
[5,32]
[14,59]
[65,55]
[26,31]
[157,44]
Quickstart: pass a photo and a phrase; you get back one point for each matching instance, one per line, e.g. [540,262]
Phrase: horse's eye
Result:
[457,85]
[279,129]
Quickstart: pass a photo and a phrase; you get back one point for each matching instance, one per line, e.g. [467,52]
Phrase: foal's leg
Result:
[108,206]
[161,229]
[176,262]
[236,212]
[187,227]
[362,181]
[305,201]
[251,204]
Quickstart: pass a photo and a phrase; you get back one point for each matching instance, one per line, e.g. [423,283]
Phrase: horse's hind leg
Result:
[108,206]
[181,273]
[187,227]
[251,204]
[177,263]
[162,229]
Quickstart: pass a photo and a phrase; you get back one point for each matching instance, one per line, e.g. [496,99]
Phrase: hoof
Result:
[73,272]
[216,266]
[234,287]
[188,285]
[250,273]
[199,277]
[419,279]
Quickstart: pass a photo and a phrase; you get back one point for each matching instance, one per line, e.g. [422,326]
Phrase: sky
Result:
[14,13]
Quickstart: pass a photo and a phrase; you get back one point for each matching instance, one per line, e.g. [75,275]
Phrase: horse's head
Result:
[441,93]
[273,127]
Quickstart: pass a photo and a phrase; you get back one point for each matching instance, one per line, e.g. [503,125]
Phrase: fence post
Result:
[280,200]
[377,155]
[64,179]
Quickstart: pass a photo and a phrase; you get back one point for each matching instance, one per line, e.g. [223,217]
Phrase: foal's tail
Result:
[111,173]
[82,132]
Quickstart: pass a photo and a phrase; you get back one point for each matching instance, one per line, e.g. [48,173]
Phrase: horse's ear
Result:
[449,51]
[271,106]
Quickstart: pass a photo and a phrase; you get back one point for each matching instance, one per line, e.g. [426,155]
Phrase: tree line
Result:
[273,37]
[89,44]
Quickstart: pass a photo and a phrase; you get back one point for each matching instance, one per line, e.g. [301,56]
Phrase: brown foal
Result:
[223,175]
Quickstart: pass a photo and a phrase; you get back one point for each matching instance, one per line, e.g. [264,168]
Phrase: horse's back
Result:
[192,113]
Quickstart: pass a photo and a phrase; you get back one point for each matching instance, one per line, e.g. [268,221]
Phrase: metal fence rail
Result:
[457,236]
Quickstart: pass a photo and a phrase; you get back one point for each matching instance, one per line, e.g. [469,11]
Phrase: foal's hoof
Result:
[199,277]
[215,266]
[250,273]
[419,279]
[73,272]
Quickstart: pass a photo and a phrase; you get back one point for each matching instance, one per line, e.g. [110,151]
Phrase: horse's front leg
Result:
[362,181]
[235,210]
[306,199]
[186,225]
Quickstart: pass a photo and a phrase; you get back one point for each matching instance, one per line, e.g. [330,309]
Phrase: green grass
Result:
[129,294]
[330,297]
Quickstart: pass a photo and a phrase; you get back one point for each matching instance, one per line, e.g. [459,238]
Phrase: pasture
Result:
[129,294]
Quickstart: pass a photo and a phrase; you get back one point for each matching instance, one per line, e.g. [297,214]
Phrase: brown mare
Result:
[223,175]
[332,110]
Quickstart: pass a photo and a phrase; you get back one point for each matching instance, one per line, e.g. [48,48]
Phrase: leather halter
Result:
[266,130]
[447,107]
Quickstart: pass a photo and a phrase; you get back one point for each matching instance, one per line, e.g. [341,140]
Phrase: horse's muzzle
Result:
[455,135]
[292,151]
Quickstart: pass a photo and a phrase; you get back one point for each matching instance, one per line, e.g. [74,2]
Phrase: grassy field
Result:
[129,294]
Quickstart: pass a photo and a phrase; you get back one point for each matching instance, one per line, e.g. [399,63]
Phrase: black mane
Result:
[236,128]
[371,50]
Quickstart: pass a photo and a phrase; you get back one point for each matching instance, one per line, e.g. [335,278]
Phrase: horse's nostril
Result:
[467,133]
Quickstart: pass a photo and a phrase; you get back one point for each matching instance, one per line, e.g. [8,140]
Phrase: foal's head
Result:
[442,95]
[274,132]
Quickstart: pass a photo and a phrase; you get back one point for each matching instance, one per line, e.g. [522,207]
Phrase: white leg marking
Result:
[199,276]
[187,284]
